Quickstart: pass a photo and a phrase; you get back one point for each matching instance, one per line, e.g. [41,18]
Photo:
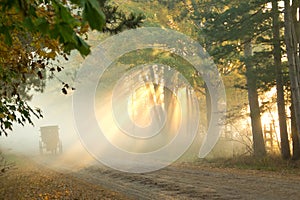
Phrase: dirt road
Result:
[179,181]
[196,182]
[27,180]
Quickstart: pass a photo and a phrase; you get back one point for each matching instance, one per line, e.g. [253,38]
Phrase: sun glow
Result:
[270,121]
[144,107]
[142,101]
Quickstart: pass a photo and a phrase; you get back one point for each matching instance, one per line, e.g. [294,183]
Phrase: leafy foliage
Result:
[34,34]
[228,26]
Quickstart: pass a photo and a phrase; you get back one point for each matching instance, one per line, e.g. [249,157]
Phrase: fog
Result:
[57,110]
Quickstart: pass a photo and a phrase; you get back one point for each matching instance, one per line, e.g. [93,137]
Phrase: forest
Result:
[255,46]
[149,99]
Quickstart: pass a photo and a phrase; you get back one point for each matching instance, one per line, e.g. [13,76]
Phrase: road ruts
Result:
[190,182]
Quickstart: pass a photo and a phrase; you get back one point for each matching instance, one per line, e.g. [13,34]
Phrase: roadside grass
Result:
[269,163]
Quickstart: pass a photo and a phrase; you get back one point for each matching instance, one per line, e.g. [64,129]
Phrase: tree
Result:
[295,137]
[34,35]
[220,27]
[285,147]
[258,140]
[252,21]
[292,39]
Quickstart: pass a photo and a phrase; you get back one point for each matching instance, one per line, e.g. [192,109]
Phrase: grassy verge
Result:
[268,163]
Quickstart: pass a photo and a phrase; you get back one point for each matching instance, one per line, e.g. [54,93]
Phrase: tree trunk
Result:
[285,147]
[257,134]
[293,60]
[296,142]
[295,133]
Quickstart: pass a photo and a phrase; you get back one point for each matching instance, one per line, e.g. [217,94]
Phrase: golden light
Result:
[141,107]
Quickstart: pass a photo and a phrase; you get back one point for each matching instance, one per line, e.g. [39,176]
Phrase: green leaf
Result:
[77,2]
[7,125]
[28,23]
[66,33]
[66,15]
[82,47]
[32,11]
[93,15]
[42,25]
[5,31]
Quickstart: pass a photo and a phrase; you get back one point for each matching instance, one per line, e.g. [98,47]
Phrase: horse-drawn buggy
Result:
[49,141]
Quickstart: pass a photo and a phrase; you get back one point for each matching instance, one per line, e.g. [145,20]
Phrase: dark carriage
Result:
[50,141]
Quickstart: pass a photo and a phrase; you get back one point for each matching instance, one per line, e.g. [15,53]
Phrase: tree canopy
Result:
[34,34]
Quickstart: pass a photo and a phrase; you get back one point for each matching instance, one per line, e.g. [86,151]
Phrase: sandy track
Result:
[181,181]
[196,182]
